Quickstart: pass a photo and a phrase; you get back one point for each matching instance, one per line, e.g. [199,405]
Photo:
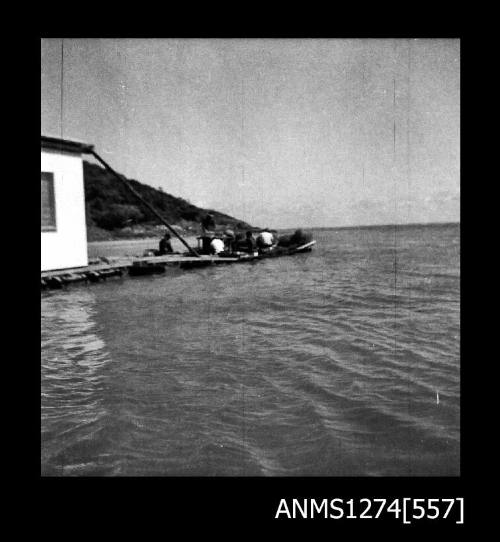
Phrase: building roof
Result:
[66,145]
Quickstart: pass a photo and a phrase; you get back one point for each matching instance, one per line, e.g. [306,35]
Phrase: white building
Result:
[63,227]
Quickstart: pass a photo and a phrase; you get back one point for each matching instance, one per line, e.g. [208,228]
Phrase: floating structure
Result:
[63,228]
[151,265]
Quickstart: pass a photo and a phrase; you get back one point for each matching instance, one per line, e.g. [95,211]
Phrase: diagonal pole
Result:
[148,205]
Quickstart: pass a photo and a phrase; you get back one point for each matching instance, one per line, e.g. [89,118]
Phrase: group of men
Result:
[228,242]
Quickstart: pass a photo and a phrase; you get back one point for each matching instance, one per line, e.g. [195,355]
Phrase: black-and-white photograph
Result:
[250,257]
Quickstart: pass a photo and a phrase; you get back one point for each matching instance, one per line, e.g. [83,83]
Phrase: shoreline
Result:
[135,247]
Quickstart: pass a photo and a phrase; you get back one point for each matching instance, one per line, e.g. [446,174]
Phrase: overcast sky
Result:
[280,133]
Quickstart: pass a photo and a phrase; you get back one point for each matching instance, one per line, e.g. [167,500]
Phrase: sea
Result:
[344,361]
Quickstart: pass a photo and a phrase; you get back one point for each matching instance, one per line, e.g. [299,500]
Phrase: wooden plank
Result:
[307,245]
[88,269]
[181,259]
[127,262]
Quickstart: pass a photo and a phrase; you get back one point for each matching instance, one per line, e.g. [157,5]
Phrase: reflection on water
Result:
[73,380]
[327,363]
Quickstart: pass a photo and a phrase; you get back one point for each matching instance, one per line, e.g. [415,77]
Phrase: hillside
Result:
[114,213]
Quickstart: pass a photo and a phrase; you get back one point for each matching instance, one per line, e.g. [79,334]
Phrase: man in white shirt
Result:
[216,245]
[265,239]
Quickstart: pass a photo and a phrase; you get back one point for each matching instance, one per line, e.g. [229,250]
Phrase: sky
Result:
[281,133]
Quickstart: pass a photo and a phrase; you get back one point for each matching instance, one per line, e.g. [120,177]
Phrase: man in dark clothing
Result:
[249,243]
[208,223]
[239,239]
[165,245]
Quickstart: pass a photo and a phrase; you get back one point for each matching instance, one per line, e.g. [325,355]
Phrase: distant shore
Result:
[142,232]
[115,248]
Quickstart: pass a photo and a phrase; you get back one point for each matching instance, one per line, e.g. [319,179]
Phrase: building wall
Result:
[67,246]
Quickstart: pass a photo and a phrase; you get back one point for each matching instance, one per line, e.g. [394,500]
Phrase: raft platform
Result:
[118,267]
[148,265]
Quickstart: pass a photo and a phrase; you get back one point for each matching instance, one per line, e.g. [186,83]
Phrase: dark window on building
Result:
[48,202]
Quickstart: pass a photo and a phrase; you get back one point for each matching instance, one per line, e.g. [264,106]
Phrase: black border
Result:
[250,501]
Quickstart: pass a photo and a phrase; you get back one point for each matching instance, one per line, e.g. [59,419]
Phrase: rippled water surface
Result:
[343,361]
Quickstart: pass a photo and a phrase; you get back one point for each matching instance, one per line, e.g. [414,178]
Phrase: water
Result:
[328,363]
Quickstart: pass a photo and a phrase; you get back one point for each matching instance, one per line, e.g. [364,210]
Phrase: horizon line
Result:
[447,223]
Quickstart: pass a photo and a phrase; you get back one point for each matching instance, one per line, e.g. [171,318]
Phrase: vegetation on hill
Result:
[114,212]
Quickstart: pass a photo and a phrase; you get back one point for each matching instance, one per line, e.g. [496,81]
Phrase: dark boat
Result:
[275,251]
